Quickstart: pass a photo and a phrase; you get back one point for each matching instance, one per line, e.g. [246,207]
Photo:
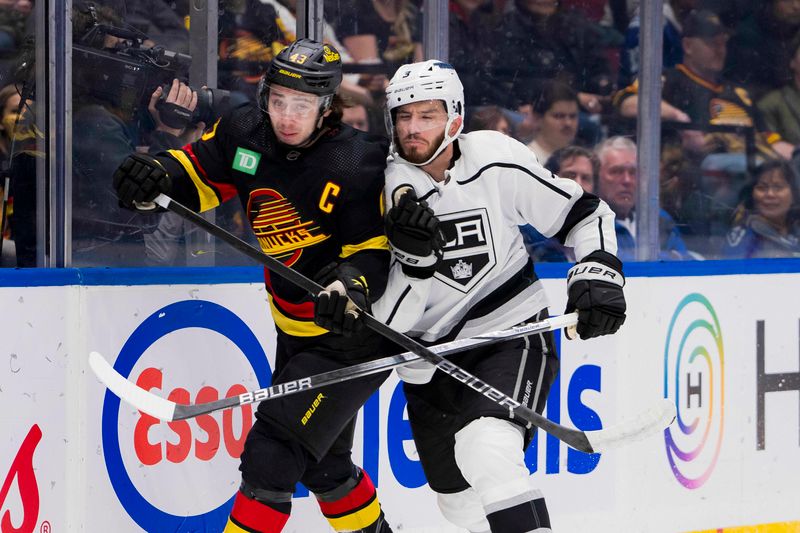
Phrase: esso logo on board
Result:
[183,475]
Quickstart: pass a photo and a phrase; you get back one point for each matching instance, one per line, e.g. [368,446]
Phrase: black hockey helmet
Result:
[305,65]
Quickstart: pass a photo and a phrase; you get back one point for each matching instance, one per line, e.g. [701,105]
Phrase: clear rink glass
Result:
[705,165]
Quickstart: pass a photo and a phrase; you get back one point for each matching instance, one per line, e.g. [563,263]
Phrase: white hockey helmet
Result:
[427,80]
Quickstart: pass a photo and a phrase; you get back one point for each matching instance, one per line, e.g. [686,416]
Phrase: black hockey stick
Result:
[166,410]
[577,439]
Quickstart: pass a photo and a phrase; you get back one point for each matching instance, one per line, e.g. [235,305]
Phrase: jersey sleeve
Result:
[200,171]
[559,207]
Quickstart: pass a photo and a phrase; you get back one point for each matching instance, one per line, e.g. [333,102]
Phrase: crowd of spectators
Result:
[558,75]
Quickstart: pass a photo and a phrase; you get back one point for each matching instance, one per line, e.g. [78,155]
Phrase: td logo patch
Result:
[469,254]
[246,160]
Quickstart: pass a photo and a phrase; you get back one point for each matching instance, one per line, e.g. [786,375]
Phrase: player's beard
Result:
[417,156]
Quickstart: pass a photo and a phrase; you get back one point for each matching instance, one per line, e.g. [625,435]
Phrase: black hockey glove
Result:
[413,230]
[346,294]
[594,289]
[140,178]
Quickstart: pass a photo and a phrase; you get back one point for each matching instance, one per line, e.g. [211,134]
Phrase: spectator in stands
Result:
[9,111]
[104,133]
[469,42]
[767,223]
[781,107]
[618,185]
[249,37]
[489,118]
[760,49]
[13,15]
[378,31]
[161,24]
[537,41]
[571,162]
[576,163]
[356,116]
[675,12]
[694,91]
[555,115]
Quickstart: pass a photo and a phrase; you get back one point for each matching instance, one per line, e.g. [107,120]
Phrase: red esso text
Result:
[201,436]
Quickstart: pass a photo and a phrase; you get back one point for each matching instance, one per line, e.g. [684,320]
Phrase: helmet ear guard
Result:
[419,82]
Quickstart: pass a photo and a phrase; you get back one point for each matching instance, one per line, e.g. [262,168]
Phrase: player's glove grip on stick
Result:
[594,290]
[413,230]
[346,294]
[139,179]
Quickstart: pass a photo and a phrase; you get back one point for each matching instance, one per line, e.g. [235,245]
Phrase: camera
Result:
[211,103]
[127,75]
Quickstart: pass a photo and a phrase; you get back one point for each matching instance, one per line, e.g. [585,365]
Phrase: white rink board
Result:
[101,466]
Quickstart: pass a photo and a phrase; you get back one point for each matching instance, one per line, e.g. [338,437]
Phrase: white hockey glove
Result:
[594,289]
[416,373]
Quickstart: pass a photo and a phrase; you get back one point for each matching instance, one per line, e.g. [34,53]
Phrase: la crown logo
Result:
[246,160]
[462,270]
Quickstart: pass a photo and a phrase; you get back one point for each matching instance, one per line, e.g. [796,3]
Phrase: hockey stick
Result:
[657,419]
[166,410]
[169,411]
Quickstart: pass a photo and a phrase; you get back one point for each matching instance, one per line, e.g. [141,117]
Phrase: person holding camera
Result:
[107,126]
[312,190]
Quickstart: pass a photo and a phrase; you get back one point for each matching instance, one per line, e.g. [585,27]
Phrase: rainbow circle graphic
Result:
[694,378]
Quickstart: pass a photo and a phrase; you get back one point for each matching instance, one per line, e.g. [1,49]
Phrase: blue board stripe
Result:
[51,277]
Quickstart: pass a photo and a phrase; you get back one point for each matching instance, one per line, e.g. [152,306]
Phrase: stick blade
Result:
[128,392]
[647,423]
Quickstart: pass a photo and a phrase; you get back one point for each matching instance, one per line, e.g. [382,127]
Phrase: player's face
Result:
[772,197]
[420,129]
[560,124]
[579,168]
[618,181]
[294,114]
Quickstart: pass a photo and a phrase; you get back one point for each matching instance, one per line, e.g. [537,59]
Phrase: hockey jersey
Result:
[486,281]
[308,207]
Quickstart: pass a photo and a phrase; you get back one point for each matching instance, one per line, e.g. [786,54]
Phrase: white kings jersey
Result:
[485,281]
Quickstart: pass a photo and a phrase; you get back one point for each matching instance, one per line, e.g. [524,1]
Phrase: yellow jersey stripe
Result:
[290,326]
[358,520]
[208,198]
[375,243]
[230,527]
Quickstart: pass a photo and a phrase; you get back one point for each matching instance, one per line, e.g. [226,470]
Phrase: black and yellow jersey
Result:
[307,207]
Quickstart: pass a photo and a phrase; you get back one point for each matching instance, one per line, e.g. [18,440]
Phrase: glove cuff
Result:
[605,258]
[594,271]
[417,261]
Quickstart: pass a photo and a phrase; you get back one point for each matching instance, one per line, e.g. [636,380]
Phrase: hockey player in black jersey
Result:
[311,187]
[455,203]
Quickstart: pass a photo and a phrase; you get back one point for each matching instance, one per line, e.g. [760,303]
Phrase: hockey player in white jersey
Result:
[455,202]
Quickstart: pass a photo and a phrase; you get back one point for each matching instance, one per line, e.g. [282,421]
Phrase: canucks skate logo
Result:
[278,226]
[469,253]
[462,270]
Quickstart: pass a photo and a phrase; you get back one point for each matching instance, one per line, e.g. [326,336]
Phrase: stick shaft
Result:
[575,438]
[368,368]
